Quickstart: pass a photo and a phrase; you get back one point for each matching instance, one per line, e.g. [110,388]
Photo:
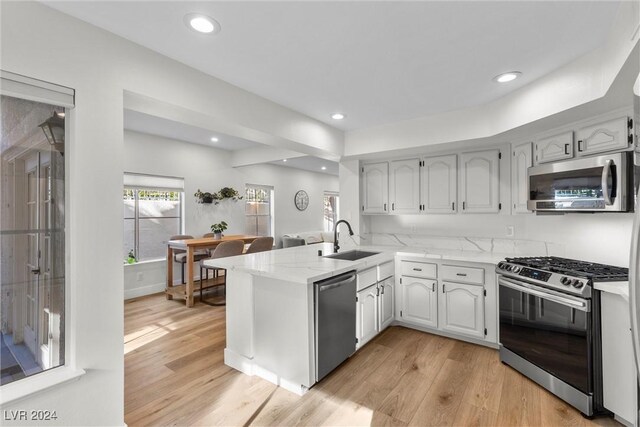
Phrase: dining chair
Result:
[224,249]
[180,255]
[261,244]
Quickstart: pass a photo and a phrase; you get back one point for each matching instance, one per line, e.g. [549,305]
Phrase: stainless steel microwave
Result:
[589,184]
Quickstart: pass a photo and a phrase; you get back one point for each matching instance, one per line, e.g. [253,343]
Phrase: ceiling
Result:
[377,62]
[312,164]
[153,125]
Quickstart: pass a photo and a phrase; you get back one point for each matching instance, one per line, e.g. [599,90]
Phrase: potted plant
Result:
[204,197]
[131,258]
[217,229]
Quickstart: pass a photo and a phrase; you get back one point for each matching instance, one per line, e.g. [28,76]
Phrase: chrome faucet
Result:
[335,235]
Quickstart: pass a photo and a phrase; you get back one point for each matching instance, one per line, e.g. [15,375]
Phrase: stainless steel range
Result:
[550,324]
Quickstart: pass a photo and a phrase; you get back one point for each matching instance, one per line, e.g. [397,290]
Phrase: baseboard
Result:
[144,290]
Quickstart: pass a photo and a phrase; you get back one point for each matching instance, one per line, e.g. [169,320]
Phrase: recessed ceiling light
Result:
[507,77]
[324,168]
[201,23]
[338,116]
[284,160]
[214,139]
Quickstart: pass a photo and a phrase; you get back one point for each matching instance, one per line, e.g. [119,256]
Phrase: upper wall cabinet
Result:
[439,184]
[521,161]
[557,147]
[480,181]
[404,186]
[608,136]
[375,190]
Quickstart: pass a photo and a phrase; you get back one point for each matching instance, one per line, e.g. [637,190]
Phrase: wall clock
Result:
[301,200]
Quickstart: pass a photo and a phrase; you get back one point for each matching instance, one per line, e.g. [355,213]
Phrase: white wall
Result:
[39,42]
[209,169]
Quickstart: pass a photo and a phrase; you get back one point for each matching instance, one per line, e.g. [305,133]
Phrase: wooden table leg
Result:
[189,287]
[169,271]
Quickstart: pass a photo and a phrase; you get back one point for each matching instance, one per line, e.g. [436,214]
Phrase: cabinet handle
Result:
[385,207]
[580,145]
[393,206]
[461,274]
[433,287]
[443,288]
[382,291]
[464,205]
[566,149]
[417,269]
[453,206]
[377,292]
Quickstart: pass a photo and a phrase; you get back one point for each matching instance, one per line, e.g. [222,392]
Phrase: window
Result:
[259,210]
[32,238]
[331,209]
[151,216]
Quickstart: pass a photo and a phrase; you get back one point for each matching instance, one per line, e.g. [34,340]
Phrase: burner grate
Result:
[588,270]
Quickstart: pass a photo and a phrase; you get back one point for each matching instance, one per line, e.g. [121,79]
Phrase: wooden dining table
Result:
[185,291]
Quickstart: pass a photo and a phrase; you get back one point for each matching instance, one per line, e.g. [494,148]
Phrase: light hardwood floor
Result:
[175,375]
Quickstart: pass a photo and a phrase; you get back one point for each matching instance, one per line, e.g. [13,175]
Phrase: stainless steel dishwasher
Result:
[335,318]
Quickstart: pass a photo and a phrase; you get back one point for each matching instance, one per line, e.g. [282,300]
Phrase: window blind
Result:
[23,87]
[166,183]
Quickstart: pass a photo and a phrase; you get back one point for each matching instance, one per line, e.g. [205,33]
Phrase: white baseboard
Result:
[144,290]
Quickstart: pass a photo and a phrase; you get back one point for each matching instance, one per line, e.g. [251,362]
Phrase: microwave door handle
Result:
[606,172]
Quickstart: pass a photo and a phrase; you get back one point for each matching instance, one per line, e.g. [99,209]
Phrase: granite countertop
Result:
[301,264]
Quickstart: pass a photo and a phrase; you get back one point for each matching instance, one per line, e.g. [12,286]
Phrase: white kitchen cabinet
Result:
[386,303]
[553,148]
[375,188]
[480,181]
[521,160]
[366,315]
[607,136]
[462,309]
[419,301]
[440,184]
[620,387]
[404,186]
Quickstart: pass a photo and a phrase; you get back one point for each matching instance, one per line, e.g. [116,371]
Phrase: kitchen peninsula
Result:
[270,302]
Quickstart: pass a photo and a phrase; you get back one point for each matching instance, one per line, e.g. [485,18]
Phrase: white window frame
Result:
[337,211]
[22,87]
[272,204]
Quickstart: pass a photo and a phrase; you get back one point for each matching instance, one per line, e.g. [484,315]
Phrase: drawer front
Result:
[456,273]
[386,270]
[367,278]
[419,269]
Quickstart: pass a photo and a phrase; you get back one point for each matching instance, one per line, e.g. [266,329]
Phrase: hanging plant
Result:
[223,194]
[204,197]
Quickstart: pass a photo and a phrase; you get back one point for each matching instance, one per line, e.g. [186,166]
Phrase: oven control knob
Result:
[577,284]
[565,280]
[516,269]
[501,265]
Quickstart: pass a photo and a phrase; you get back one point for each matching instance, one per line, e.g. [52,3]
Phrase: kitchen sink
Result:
[352,255]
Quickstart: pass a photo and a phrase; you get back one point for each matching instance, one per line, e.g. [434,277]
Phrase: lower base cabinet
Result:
[375,310]
[419,301]
[462,309]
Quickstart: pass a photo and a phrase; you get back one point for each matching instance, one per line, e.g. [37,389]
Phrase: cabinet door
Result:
[439,184]
[375,188]
[462,309]
[386,302]
[404,186]
[366,315]
[557,147]
[608,136]
[480,181]
[521,161]
[419,301]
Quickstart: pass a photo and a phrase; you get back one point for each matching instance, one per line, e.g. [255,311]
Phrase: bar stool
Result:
[261,244]
[180,255]
[223,250]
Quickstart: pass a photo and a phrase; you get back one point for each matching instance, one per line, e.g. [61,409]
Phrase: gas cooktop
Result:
[588,270]
[561,274]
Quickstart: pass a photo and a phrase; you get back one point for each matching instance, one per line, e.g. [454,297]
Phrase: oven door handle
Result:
[570,302]
[606,172]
